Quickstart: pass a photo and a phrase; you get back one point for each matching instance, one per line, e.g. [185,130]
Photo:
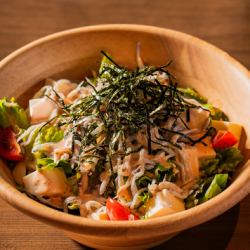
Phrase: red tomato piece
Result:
[116,211]
[223,140]
[9,148]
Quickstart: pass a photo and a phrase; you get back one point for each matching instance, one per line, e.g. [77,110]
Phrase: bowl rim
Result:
[169,223]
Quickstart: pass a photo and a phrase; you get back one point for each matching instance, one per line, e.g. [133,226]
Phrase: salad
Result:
[121,145]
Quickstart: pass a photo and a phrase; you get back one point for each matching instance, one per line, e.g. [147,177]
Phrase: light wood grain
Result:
[224,23]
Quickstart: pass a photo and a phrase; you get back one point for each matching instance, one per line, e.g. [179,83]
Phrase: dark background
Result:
[224,23]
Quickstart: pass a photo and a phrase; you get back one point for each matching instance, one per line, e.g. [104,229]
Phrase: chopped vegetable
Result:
[49,134]
[143,181]
[144,198]
[223,140]
[73,206]
[9,148]
[65,165]
[230,159]
[217,186]
[215,113]
[195,196]
[209,166]
[11,114]
[48,162]
[226,161]
[105,62]
[116,211]
[42,162]
[193,94]
[162,172]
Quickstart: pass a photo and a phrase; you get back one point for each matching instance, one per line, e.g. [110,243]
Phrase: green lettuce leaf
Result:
[193,94]
[73,206]
[105,63]
[144,198]
[215,175]
[143,181]
[215,113]
[162,172]
[49,163]
[11,114]
[207,188]
[65,165]
[49,134]
[209,166]
[217,185]
[46,161]
[225,162]
[229,159]
[196,195]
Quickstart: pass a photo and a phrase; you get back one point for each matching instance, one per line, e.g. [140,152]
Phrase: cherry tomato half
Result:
[223,140]
[9,148]
[116,211]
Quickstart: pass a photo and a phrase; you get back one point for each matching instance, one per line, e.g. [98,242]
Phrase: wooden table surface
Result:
[224,23]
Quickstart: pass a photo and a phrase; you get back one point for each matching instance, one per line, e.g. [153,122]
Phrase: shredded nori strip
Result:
[123,106]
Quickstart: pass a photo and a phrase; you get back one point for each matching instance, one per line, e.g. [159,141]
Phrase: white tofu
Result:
[46,182]
[163,203]
[64,86]
[205,151]
[41,109]
[191,163]
[198,118]
[191,156]
[234,128]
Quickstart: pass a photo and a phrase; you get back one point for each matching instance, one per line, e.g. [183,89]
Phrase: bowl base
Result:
[109,243]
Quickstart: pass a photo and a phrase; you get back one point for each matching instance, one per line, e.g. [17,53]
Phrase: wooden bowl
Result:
[72,54]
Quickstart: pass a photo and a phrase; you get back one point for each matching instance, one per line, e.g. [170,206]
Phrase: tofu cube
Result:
[47,182]
[163,203]
[41,109]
